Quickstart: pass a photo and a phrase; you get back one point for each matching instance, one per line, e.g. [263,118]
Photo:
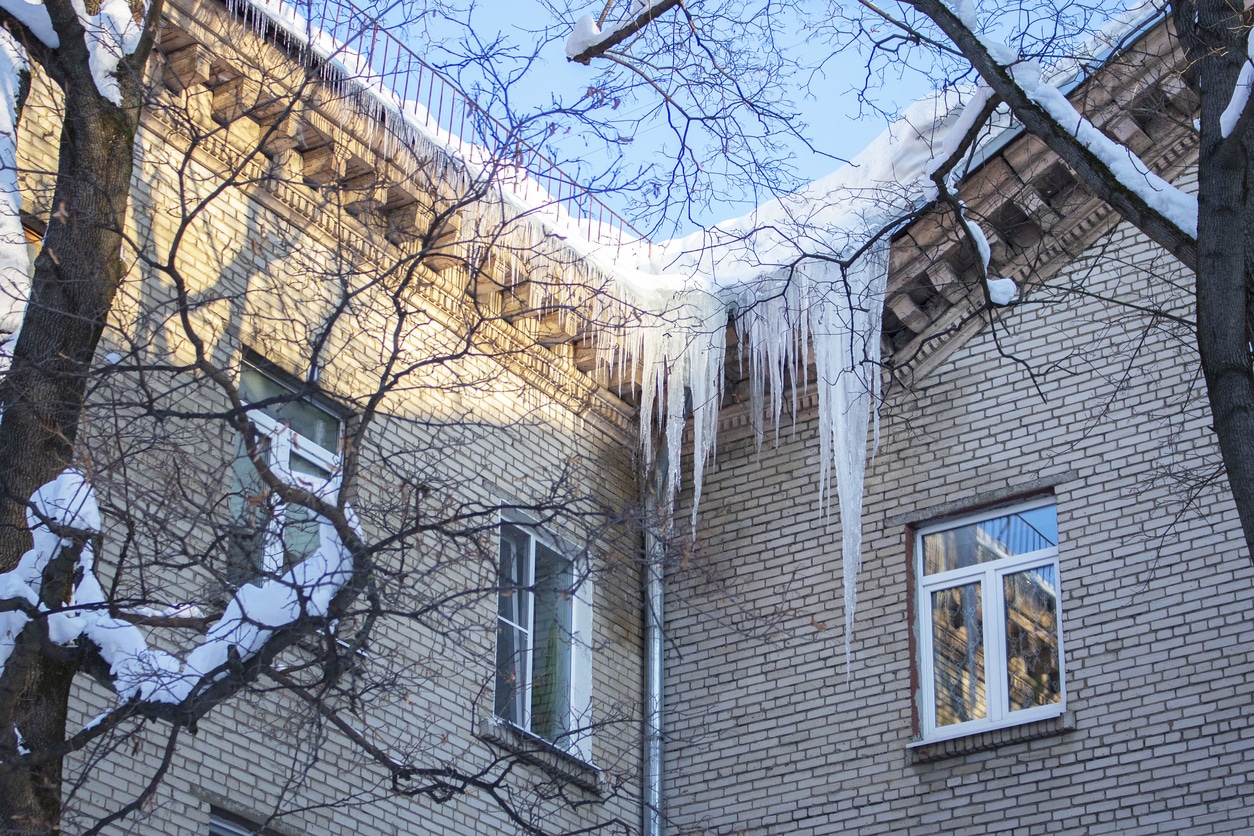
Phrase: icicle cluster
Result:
[818,309]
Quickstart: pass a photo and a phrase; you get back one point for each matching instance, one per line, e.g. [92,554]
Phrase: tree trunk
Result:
[76,277]
[1225,270]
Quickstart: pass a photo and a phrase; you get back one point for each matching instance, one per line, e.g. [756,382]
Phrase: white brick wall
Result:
[476,433]
[768,733]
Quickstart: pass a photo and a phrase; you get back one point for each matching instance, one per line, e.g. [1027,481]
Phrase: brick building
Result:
[1053,598]
[1052,594]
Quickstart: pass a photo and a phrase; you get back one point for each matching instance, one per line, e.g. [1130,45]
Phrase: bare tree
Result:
[277,332]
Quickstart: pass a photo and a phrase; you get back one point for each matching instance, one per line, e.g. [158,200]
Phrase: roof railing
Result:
[371,50]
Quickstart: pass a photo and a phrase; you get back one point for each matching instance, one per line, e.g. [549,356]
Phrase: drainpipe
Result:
[657,510]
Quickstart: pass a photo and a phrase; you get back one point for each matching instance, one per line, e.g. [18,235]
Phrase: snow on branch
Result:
[35,17]
[110,35]
[587,40]
[255,614]
[1177,206]
[1115,174]
[1231,117]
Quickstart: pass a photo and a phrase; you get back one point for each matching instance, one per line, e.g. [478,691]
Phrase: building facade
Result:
[1052,602]
[1123,677]
[1053,598]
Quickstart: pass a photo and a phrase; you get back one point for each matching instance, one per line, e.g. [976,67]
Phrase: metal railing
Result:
[376,58]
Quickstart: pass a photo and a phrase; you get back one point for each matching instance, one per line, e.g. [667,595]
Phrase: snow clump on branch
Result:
[255,614]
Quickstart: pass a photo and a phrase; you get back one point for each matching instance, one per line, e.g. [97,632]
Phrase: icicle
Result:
[846,331]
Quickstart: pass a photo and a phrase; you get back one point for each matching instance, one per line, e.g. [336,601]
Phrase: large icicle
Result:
[787,273]
[678,341]
[846,333]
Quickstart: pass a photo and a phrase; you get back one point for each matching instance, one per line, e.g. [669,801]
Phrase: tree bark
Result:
[1216,49]
[76,277]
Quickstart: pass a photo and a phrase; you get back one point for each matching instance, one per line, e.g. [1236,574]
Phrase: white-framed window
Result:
[989,620]
[543,641]
[301,441]
[224,824]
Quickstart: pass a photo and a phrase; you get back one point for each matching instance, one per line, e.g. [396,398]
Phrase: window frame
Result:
[284,442]
[578,736]
[222,823]
[990,575]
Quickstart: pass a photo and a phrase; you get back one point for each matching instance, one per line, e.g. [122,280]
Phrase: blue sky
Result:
[839,126]
[830,108]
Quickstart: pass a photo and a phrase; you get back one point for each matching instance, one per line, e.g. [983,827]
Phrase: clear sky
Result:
[824,97]
[829,106]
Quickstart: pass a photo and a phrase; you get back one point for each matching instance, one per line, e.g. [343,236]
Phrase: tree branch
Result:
[651,12]
[1061,139]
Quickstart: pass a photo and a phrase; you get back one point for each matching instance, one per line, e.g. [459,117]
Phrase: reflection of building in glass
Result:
[1032,638]
[958,649]
[964,564]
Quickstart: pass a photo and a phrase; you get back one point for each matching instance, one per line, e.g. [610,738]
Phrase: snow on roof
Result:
[786,271]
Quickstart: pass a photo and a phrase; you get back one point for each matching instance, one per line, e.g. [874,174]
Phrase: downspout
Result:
[657,512]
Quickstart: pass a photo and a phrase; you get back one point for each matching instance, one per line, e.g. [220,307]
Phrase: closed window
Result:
[301,442]
[543,656]
[989,621]
[224,824]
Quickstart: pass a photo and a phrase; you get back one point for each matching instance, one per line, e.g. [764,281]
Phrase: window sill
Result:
[924,751]
[557,763]
[219,803]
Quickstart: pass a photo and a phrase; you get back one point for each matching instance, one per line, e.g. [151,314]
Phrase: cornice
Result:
[445,298]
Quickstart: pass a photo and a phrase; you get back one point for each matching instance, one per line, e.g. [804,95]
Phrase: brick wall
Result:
[468,433]
[769,733]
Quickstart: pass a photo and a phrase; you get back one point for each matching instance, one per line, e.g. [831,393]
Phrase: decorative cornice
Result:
[1038,218]
[556,377]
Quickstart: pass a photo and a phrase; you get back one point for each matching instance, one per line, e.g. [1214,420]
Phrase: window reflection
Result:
[958,647]
[1032,666]
[1022,532]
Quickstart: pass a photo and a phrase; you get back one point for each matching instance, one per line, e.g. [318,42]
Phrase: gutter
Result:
[657,507]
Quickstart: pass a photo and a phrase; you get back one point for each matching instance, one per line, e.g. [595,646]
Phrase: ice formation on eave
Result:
[253,616]
[803,278]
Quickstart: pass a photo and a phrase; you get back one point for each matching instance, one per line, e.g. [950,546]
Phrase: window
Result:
[224,824]
[990,626]
[301,444]
[543,656]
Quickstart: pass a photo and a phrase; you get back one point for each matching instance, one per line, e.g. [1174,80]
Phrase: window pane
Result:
[550,688]
[958,654]
[1032,638]
[299,464]
[511,667]
[513,604]
[300,534]
[1017,533]
[250,515]
[314,423]
[513,580]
